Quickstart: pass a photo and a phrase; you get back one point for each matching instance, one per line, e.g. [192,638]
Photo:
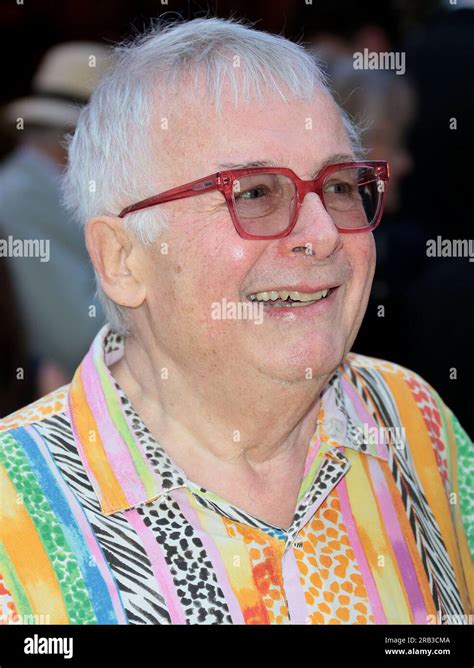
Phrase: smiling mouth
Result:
[285,299]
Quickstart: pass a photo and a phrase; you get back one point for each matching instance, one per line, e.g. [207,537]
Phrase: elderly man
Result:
[221,456]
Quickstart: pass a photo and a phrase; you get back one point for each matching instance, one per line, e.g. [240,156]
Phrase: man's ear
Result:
[115,258]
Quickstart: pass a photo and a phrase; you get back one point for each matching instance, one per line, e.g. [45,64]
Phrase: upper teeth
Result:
[284,294]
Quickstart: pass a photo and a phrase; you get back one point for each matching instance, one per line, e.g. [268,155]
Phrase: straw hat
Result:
[64,81]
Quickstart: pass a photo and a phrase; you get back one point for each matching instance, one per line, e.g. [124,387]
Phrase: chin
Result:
[321,358]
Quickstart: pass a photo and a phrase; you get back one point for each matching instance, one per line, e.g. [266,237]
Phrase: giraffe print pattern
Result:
[329,574]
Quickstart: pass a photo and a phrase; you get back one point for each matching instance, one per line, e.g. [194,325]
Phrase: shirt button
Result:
[335,428]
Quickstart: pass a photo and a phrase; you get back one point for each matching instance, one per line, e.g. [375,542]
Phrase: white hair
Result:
[112,159]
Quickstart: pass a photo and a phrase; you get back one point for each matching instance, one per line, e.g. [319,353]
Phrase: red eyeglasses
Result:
[264,202]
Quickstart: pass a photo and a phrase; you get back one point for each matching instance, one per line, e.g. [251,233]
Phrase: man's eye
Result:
[253,193]
[340,188]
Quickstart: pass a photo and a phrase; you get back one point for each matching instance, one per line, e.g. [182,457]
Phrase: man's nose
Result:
[315,229]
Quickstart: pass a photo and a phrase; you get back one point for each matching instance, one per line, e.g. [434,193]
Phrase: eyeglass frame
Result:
[224,182]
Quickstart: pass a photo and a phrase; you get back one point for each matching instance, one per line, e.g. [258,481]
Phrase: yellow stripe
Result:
[375,542]
[27,553]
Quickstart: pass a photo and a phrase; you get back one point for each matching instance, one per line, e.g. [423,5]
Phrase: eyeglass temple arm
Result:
[188,190]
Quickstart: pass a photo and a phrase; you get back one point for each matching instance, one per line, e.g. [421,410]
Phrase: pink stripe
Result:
[366,573]
[213,553]
[160,568]
[116,449]
[314,446]
[297,607]
[87,533]
[141,448]
[364,416]
[394,531]
[99,361]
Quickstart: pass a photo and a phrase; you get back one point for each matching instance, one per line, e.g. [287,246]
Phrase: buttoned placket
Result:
[332,432]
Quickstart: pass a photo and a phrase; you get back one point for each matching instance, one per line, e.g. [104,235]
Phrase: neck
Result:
[243,422]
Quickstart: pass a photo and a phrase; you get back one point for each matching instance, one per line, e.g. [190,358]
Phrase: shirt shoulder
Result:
[404,385]
[412,397]
[405,397]
[358,361]
[51,404]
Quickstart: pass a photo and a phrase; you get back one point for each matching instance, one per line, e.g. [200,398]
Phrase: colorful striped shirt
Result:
[98,525]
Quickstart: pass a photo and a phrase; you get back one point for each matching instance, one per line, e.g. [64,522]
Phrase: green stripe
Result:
[115,411]
[465,477]
[50,532]
[211,496]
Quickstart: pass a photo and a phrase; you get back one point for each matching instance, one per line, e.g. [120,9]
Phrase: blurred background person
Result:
[339,29]
[23,378]
[383,104]
[14,392]
[54,297]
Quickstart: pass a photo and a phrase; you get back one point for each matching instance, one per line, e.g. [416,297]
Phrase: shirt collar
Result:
[126,466]
[344,419]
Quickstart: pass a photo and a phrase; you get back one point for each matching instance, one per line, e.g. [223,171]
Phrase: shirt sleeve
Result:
[460,456]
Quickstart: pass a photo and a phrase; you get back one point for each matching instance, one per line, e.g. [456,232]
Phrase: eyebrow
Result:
[332,160]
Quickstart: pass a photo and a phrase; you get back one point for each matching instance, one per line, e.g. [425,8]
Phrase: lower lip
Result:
[317,308]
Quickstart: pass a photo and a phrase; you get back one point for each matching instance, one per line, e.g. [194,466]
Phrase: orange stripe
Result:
[27,553]
[111,493]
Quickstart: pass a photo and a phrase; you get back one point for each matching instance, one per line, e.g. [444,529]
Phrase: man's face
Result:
[207,261]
